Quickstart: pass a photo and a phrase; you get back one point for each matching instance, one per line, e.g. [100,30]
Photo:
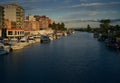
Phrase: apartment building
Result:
[1,17]
[15,14]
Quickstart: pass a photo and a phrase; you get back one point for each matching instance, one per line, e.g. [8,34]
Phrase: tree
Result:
[62,25]
[105,25]
[88,28]
[54,26]
[58,26]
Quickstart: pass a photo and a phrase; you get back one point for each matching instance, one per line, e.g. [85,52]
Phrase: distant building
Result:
[27,25]
[44,22]
[35,25]
[31,18]
[37,22]
[15,14]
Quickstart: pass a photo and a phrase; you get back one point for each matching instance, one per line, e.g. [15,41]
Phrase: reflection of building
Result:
[1,17]
[15,14]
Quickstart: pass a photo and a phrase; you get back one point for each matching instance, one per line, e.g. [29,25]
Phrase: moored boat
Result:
[37,38]
[23,41]
[44,39]
[31,40]
[15,45]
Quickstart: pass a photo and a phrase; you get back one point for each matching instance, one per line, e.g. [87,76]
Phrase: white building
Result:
[31,18]
[14,32]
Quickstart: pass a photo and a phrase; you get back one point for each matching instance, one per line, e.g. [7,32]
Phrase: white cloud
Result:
[92,5]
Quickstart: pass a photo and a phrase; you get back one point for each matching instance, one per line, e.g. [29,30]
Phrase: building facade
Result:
[1,17]
[37,22]
[15,14]
[14,33]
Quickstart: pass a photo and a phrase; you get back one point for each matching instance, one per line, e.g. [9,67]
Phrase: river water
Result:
[77,58]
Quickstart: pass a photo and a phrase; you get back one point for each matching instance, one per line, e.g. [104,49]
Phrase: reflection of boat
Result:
[16,46]
[2,49]
[96,35]
[7,45]
[44,39]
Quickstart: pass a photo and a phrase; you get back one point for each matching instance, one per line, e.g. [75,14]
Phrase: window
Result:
[10,33]
[15,32]
[18,33]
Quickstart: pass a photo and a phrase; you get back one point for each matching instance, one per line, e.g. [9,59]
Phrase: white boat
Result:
[5,40]
[65,34]
[51,37]
[58,34]
[23,41]
[37,38]
[15,45]
[31,40]
[13,41]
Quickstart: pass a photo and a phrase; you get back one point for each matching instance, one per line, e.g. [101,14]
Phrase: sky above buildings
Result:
[74,13]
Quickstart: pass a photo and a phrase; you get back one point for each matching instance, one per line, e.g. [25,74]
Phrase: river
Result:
[77,58]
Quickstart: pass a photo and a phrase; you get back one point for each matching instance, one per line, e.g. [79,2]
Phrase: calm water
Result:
[78,58]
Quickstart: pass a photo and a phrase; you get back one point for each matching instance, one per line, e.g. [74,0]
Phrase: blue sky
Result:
[74,13]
